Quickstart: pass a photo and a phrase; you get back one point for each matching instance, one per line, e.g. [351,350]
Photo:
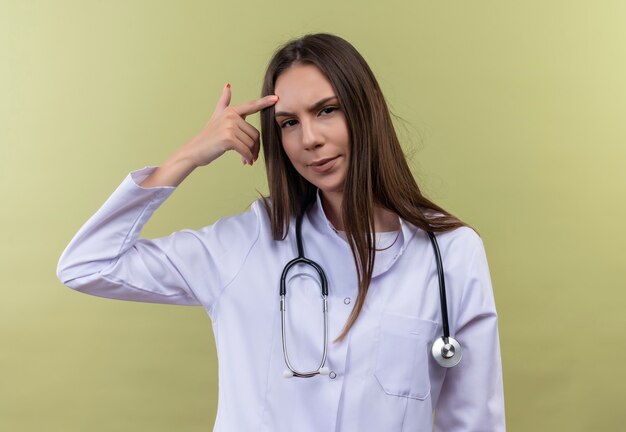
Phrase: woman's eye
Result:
[288,123]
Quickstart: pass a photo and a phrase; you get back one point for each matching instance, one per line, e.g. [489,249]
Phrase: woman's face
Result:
[313,127]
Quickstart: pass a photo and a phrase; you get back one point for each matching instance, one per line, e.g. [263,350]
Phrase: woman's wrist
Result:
[172,172]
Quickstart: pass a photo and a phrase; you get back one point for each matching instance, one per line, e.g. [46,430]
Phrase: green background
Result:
[513,119]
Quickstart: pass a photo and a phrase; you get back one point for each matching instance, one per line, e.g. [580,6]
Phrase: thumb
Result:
[224,100]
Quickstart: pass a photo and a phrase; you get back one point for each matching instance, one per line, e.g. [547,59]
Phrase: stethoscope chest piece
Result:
[447,354]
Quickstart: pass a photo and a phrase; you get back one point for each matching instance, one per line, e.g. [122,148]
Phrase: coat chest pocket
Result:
[402,355]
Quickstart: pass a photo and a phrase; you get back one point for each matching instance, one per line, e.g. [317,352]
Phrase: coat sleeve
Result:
[106,257]
[472,395]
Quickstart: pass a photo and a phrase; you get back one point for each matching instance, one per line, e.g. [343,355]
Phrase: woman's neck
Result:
[384,220]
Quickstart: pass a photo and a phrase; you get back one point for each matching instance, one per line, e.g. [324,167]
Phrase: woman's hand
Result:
[228,130]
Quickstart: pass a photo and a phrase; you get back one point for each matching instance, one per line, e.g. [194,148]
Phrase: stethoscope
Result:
[445,350]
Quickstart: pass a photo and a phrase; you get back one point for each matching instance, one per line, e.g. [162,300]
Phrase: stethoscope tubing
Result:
[442,286]
[301,259]
[445,350]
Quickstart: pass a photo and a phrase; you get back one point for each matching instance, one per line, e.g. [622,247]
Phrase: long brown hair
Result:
[378,173]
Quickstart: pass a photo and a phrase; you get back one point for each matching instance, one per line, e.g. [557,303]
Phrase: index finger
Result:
[255,105]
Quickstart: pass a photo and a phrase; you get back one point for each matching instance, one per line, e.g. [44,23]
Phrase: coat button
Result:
[346,300]
[332,375]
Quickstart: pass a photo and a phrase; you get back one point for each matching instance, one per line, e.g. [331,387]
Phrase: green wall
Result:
[514,120]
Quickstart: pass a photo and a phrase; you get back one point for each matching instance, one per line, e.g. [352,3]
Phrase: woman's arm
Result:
[108,259]
[472,396]
[172,172]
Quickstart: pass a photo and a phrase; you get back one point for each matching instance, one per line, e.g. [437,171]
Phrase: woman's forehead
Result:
[301,86]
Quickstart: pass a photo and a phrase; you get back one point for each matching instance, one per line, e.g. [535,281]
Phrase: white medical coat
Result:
[384,378]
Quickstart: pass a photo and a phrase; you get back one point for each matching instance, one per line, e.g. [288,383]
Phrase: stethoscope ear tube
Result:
[301,259]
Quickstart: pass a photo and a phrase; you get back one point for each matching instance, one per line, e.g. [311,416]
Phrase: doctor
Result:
[333,160]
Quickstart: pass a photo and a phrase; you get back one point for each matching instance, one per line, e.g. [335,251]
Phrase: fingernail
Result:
[227,85]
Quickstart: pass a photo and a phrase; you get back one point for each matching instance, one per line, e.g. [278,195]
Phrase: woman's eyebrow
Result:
[311,109]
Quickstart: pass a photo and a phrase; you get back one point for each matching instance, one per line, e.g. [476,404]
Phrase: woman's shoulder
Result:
[465,235]
[248,219]
[460,244]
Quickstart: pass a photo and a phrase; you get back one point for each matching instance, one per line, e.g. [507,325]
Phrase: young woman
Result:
[375,353]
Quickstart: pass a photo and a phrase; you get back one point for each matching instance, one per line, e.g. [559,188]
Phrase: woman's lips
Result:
[325,166]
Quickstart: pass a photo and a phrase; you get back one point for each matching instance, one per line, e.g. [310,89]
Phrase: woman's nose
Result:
[311,138]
